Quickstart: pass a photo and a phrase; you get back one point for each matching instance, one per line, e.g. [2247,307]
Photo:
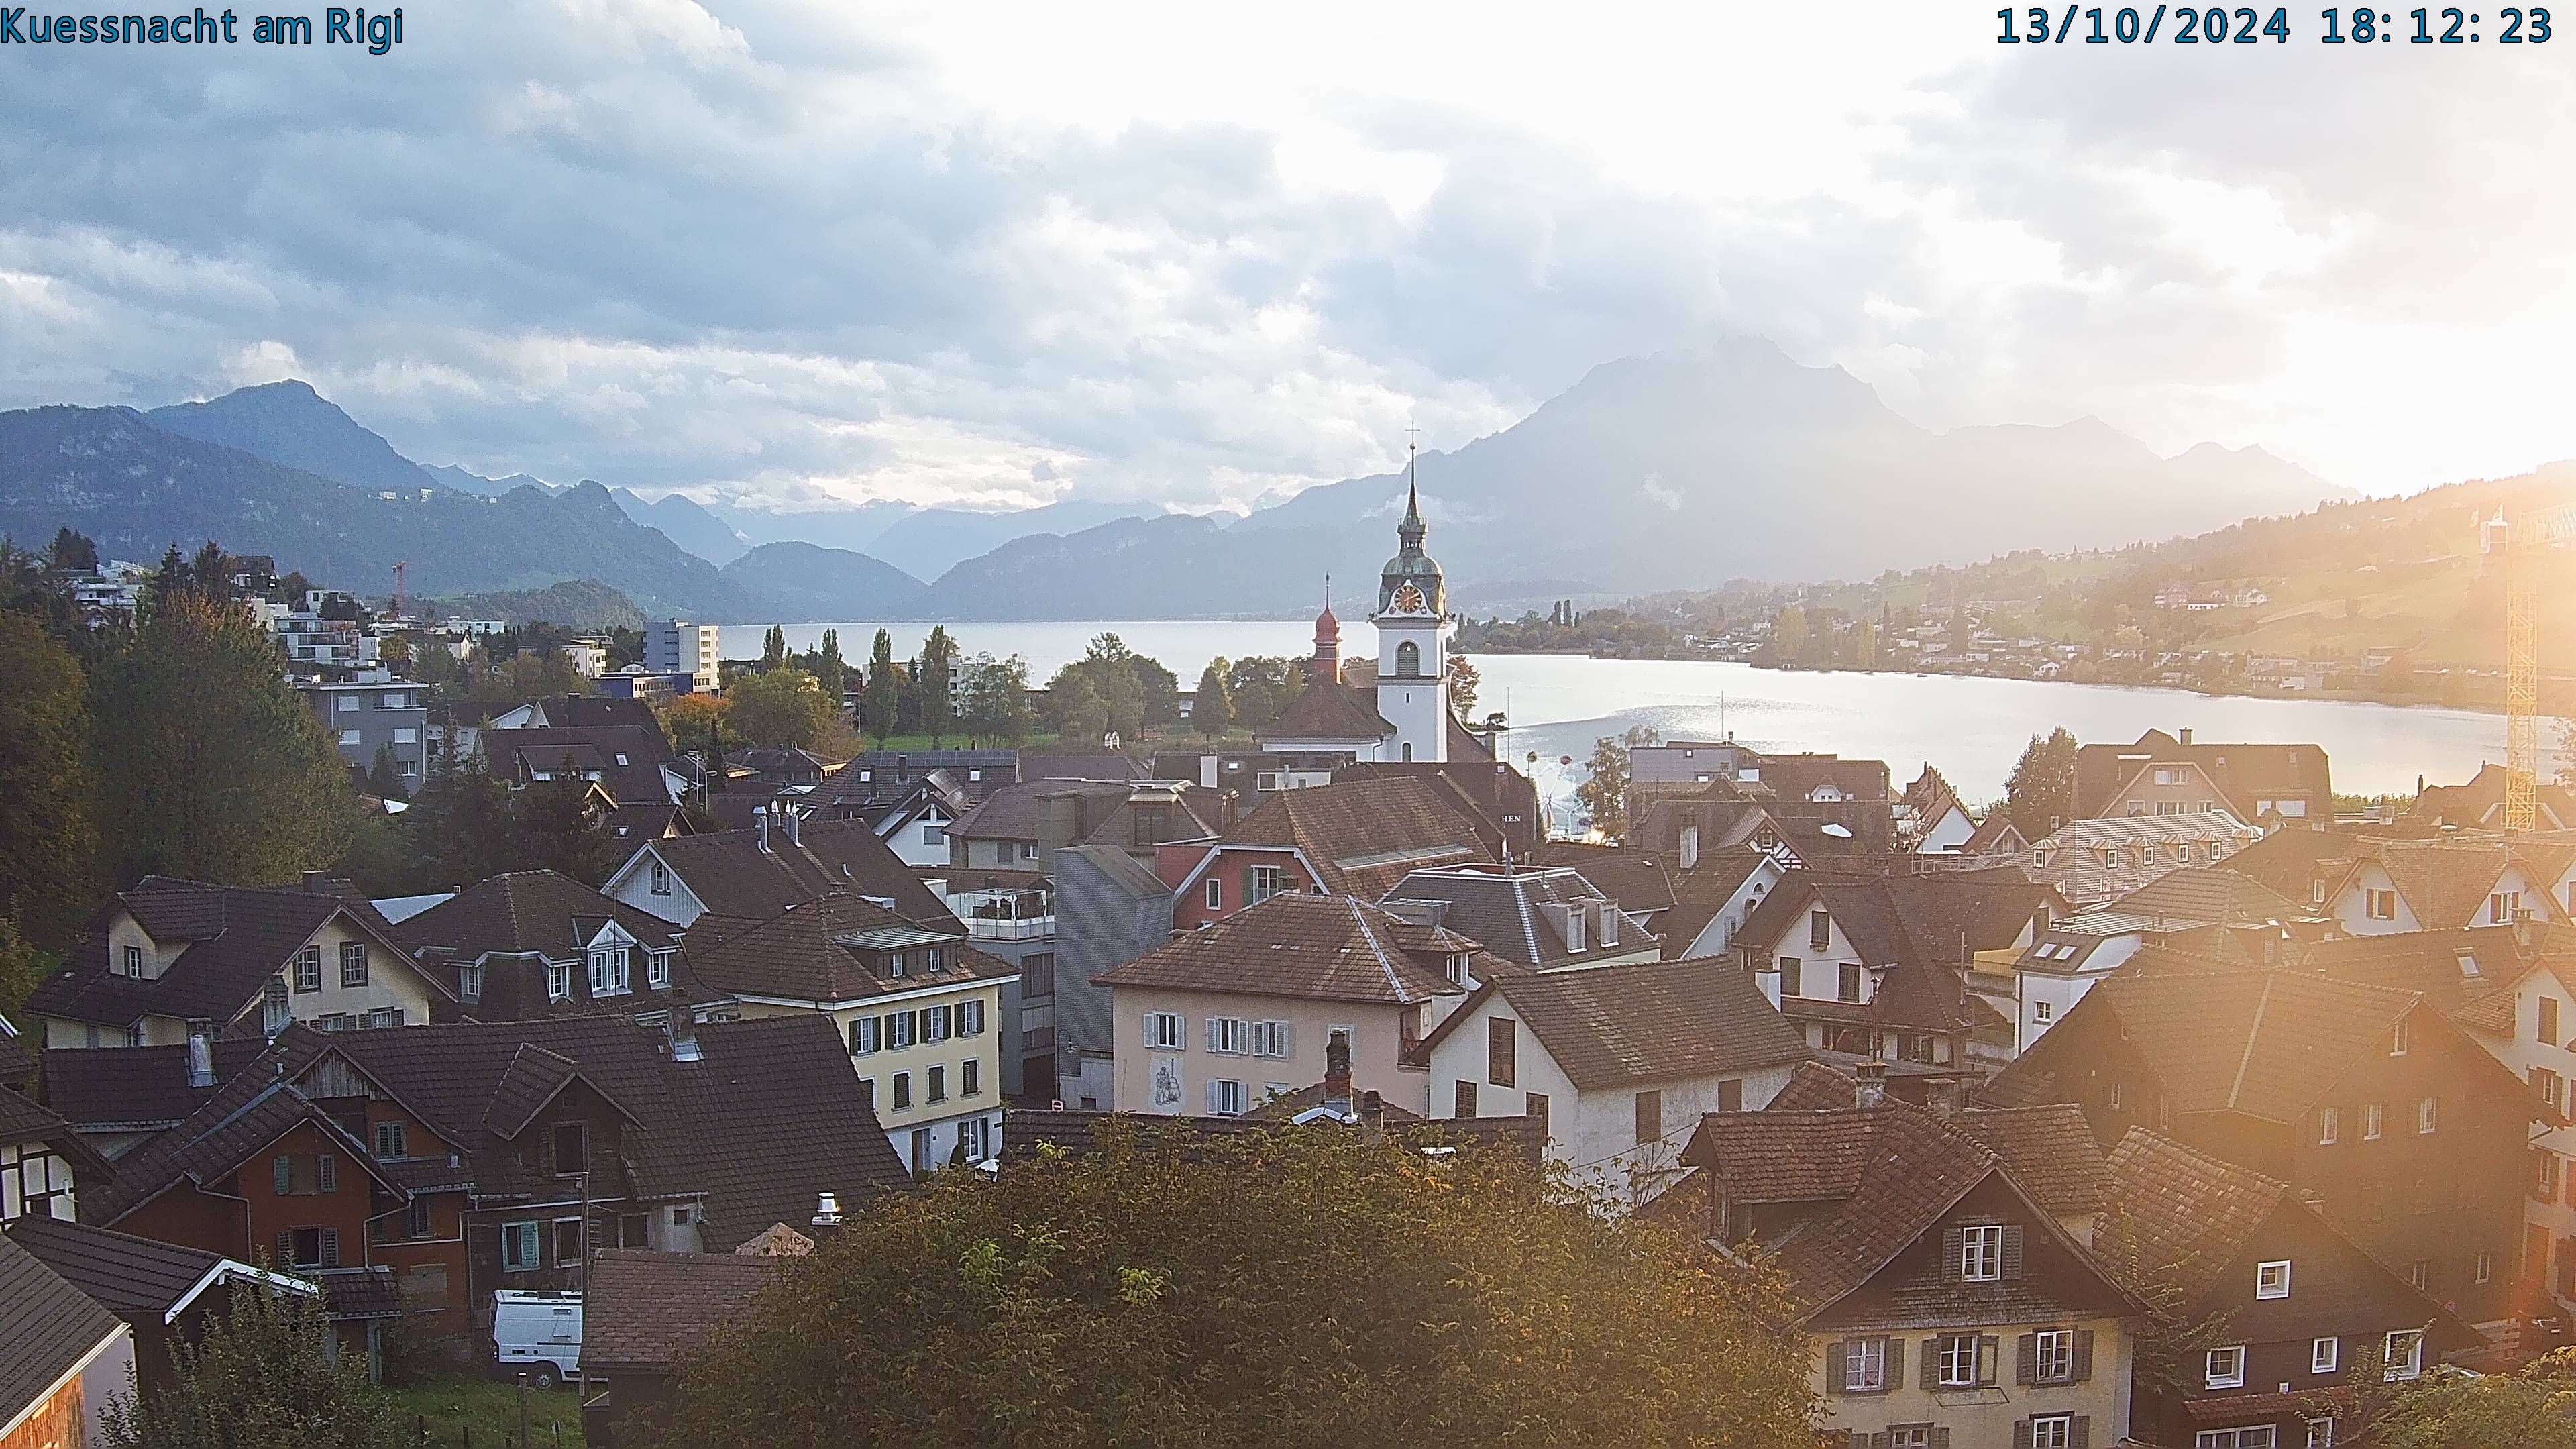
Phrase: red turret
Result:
[1328,640]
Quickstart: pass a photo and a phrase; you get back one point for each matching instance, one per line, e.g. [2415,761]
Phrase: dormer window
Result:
[894,966]
[469,982]
[2397,1039]
[134,961]
[608,972]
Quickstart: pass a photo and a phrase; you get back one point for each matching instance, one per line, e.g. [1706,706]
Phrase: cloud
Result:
[779,252]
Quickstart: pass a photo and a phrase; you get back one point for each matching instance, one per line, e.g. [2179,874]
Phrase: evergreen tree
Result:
[828,665]
[1252,705]
[560,827]
[48,832]
[773,648]
[936,679]
[212,573]
[263,1378]
[22,966]
[72,552]
[211,767]
[459,829]
[169,581]
[879,705]
[384,775]
[1211,707]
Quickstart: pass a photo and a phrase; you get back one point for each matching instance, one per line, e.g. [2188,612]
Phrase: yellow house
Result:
[919,1010]
[232,960]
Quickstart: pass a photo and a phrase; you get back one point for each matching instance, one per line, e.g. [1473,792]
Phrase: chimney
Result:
[761,814]
[1372,1109]
[827,1213]
[1337,1073]
[2184,736]
[201,1053]
[683,1034]
[1869,1084]
[795,825]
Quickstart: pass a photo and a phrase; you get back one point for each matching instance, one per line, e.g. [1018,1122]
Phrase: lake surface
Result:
[1971,729]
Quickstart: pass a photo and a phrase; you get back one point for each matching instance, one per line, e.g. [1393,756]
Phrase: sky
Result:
[1201,256]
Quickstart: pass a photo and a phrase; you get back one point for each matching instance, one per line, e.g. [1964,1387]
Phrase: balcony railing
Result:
[1010,928]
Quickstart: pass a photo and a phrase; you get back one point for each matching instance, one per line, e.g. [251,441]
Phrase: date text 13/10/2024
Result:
[2219,25]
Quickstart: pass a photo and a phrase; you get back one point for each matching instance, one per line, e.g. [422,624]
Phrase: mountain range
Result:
[1673,470]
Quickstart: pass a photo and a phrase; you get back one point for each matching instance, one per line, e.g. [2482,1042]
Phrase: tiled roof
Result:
[730,874]
[2445,882]
[1648,1021]
[1014,812]
[248,1113]
[1286,1106]
[1329,711]
[532,1079]
[977,773]
[2479,804]
[2269,1044]
[2464,971]
[2097,860]
[1325,948]
[1914,925]
[1813,1087]
[2291,860]
[22,1120]
[1083,765]
[627,757]
[2181,1213]
[1881,1178]
[1501,909]
[2202,896]
[17,1060]
[644,1310]
[1077,1133]
[1362,836]
[139,1280]
[49,1329]
[106,1088]
[2241,773]
[1704,890]
[821,951]
[1996,833]
[1634,880]
[540,911]
[238,938]
[2048,1150]
[769,1116]
[358,1291]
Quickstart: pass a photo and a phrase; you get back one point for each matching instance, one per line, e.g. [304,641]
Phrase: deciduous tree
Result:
[48,837]
[1604,791]
[882,702]
[2040,792]
[262,1379]
[936,677]
[1077,708]
[1212,707]
[996,694]
[211,767]
[1309,1286]
[1463,684]
[783,706]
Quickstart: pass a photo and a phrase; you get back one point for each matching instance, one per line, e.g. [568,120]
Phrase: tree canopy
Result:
[1299,1287]
[48,837]
[260,1380]
[784,706]
[1212,707]
[211,767]
[2040,792]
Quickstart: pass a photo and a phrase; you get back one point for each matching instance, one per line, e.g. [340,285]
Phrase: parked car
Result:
[537,1333]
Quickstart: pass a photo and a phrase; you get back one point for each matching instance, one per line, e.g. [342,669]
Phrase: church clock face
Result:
[1408,599]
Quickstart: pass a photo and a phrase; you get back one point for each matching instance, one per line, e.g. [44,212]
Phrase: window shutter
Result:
[1895,1364]
[281,1179]
[1287,1043]
[1882,1440]
[285,1259]
[2012,1250]
[2025,1359]
[330,1247]
[1989,1348]
[2081,1435]
[1211,1028]
[1838,1367]
[2021,1434]
[1211,1099]
[326,1173]
[2083,1356]
[1940,1436]
[1954,1242]
[1931,1362]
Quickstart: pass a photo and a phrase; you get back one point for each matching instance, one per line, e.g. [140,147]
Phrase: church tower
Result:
[1413,641]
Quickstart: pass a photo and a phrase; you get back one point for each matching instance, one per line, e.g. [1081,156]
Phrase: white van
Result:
[537,1333]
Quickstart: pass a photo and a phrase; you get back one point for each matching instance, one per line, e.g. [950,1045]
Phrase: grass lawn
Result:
[488,1410]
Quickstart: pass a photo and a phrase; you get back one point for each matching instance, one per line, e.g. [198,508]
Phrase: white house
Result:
[2438,885]
[1618,1061]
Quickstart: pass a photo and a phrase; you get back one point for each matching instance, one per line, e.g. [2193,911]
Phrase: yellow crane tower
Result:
[2525,538]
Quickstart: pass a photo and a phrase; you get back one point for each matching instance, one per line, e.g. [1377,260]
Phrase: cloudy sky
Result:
[1195,255]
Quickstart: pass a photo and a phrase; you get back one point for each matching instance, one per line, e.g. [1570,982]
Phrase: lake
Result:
[1971,729]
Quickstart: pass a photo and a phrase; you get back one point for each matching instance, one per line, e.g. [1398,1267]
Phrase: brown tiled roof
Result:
[2480,803]
[1362,836]
[1013,812]
[139,1280]
[731,875]
[2445,882]
[22,1120]
[2182,1213]
[248,1113]
[2291,860]
[2268,1044]
[2205,896]
[1647,1021]
[1500,909]
[769,1116]
[1077,1133]
[543,911]
[105,1088]
[1329,711]
[2241,773]
[1287,1105]
[644,1310]
[1702,891]
[2048,1150]
[49,1329]
[527,1084]
[628,758]
[1633,878]
[2465,971]
[1326,948]
[1915,925]
[1994,833]
[1813,1087]
[238,937]
[819,951]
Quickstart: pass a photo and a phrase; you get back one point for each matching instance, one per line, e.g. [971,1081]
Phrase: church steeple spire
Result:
[1409,533]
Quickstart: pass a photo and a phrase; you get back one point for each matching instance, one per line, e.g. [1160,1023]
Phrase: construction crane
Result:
[2525,539]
